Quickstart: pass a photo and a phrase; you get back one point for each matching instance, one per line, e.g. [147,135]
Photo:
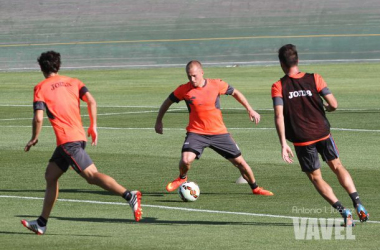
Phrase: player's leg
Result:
[247,173]
[192,149]
[244,168]
[94,177]
[184,166]
[330,154]
[81,162]
[323,188]
[187,159]
[225,145]
[309,160]
[342,174]
[52,174]
[347,183]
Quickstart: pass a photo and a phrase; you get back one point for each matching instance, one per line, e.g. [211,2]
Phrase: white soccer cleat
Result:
[135,203]
[33,226]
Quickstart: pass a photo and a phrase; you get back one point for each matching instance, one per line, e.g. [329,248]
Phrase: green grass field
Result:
[227,215]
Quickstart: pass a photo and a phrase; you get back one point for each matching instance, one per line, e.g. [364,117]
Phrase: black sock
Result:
[127,195]
[338,206]
[41,221]
[355,199]
[183,176]
[253,185]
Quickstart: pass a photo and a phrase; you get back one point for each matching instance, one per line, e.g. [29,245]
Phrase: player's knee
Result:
[50,178]
[336,166]
[239,162]
[89,177]
[315,178]
[186,161]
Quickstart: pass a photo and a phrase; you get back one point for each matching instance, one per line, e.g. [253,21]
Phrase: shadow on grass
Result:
[50,234]
[83,191]
[155,221]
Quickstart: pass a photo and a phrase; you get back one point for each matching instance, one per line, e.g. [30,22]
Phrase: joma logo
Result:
[299,93]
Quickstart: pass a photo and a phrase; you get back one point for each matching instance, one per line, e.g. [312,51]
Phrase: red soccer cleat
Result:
[261,191]
[175,184]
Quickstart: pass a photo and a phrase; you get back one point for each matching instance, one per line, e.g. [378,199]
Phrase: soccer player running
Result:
[300,118]
[206,127]
[60,97]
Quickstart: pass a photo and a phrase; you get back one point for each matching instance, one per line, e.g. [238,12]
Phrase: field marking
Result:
[167,207]
[183,129]
[179,108]
[175,109]
[187,40]
[227,64]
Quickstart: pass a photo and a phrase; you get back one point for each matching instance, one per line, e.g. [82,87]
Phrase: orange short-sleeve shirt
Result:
[60,95]
[204,106]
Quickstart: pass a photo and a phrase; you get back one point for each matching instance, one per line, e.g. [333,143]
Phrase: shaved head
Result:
[192,64]
[194,73]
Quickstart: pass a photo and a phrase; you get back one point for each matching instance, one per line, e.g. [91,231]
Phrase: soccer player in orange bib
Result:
[206,127]
[60,96]
[300,118]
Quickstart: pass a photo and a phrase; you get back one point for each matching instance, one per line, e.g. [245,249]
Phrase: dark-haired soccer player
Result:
[300,118]
[206,127]
[60,97]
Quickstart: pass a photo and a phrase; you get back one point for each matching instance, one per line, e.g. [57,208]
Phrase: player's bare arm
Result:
[331,104]
[253,115]
[92,112]
[286,151]
[38,119]
[164,107]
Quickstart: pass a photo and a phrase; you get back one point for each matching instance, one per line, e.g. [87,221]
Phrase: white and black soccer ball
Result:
[189,191]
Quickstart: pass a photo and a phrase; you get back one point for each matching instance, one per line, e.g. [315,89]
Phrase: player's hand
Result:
[287,154]
[30,144]
[159,128]
[326,107]
[254,116]
[94,135]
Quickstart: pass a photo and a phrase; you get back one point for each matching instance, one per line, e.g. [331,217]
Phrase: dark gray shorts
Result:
[71,154]
[308,155]
[222,144]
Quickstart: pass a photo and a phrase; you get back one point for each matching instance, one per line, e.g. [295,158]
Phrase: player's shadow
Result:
[83,191]
[155,221]
[27,232]
[203,195]
[151,220]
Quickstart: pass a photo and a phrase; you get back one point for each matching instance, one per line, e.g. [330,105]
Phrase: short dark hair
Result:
[50,62]
[288,55]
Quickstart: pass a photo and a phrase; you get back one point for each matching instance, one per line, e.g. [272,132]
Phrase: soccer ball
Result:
[189,191]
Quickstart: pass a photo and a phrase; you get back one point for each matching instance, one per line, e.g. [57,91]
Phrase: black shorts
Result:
[308,155]
[71,154]
[222,144]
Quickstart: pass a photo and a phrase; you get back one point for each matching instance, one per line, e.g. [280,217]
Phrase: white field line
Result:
[146,111]
[179,108]
[226,64]
[181,129]
[99,106]
[166,207]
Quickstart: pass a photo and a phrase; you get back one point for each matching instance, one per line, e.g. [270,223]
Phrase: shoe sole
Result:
[363,217]
[352,222]
[138,212]
[24,223]
[271,194]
